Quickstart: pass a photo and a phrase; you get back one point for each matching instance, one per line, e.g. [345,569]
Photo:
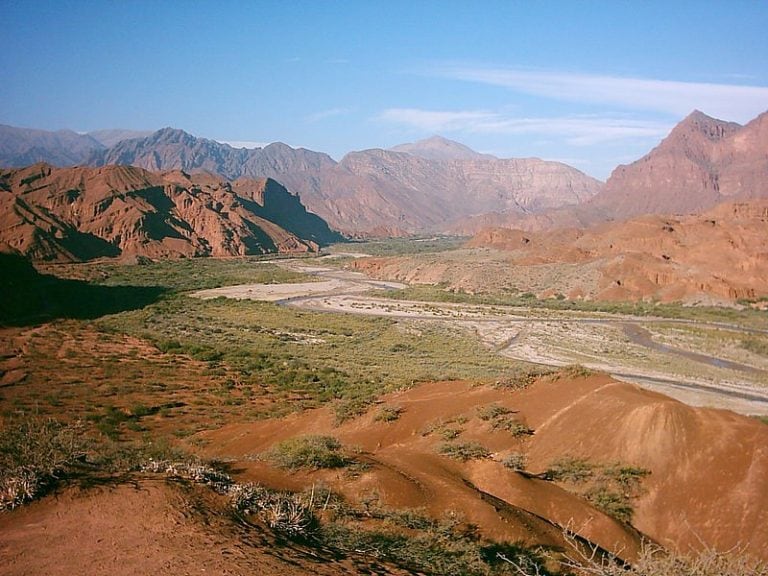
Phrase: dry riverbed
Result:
[677,358]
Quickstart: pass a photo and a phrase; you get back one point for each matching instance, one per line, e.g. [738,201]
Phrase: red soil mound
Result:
[706,487]
[709,468]
[151,527]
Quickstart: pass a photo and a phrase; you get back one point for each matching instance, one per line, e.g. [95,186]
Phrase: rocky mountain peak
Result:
[170,135]
[699,124]
[702,162]
[439,148]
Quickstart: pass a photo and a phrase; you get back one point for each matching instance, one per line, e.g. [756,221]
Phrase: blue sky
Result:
[593,84]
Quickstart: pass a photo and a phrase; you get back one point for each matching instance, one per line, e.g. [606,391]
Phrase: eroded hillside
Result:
[72,214]
[719,256]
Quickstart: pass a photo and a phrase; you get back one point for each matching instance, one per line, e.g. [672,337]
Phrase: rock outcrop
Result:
[718,256]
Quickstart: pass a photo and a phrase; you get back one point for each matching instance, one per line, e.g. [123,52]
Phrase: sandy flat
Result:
[273,292]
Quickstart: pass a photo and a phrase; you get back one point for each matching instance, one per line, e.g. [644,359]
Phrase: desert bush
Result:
[464,451]
[522,378]
[308,452]
[192,273]
[608,487]
[627,477]
[449,432]
[193,470]
[613,503]
[755,345]
[447,429]
[285,512]
[569,469]
[350,408]
[34,454]
[573,371]
[492,411]
[514,461]
[511,425]
[425,545]
[350,364]
[388,413]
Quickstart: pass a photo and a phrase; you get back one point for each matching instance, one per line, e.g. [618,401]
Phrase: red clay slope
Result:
[707,487]
[723,253]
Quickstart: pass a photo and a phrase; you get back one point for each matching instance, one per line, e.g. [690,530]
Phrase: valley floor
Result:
[700,363]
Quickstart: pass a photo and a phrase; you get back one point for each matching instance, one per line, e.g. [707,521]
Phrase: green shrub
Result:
[492,411]
[514,461]
[464,451]
[569,469]
[388,414]
[308,452]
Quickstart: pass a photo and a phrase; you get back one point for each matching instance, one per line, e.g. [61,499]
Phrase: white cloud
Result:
[575,130]
[737,102]
[437,120]
[330,113]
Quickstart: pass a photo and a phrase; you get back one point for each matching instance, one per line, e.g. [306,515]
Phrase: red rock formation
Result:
[723,253]
[81,213]
[703,162]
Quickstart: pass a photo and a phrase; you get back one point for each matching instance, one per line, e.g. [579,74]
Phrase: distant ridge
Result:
[371,192]
[24,146]
[439,148]
[438,185]
[113,136]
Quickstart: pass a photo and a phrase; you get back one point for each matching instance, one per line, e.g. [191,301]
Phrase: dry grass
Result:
[589,560]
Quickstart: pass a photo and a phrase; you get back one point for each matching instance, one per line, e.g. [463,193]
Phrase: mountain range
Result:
[437,185]
[384,192]
[413,188]
[703,162]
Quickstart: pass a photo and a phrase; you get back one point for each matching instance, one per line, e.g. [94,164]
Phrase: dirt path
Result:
[620,345]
